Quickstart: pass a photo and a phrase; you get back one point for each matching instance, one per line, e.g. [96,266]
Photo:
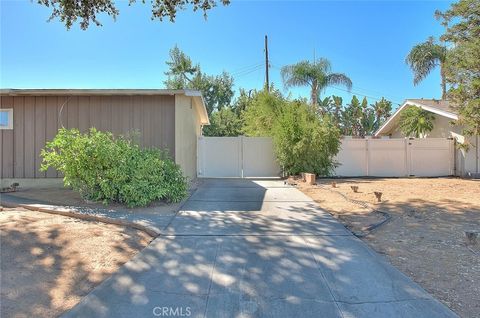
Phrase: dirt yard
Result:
[425,237]
[49,262]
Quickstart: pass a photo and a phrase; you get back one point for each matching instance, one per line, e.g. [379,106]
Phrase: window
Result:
[6,118]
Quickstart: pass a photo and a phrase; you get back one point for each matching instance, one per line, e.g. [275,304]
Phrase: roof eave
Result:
[434,110]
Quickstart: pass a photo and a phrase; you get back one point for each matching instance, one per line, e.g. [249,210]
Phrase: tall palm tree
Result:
[424,57]
[317,75]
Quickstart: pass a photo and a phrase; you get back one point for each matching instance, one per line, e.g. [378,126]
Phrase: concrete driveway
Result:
[244,248]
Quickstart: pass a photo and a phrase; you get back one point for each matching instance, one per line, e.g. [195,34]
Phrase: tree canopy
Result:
[462,67]
[69,11]
[217,90]
[424,58]
[317,75]
[416,122]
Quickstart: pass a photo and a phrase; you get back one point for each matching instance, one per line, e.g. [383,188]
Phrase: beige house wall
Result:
[36,120]
[187,131]
[441,129]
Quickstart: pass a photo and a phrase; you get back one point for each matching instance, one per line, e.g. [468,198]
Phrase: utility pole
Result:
[266,64]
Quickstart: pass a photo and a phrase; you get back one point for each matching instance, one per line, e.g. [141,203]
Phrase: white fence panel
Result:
[352,158]
[239,157]
[259,158]
[431,157]
[387,158]
[219,157]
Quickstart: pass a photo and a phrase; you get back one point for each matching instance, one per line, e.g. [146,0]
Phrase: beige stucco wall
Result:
[187,130]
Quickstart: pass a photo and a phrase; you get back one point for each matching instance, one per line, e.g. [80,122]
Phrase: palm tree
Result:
[424,57]
[317,75]
[416,122]
[382,109]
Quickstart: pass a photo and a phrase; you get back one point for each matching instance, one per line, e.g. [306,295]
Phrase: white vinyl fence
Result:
[429,157]
[236,157]
[243,157]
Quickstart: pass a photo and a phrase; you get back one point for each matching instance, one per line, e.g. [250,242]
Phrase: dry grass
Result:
[49,262]
[426,236]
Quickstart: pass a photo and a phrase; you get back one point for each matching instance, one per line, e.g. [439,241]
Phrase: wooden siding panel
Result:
[40,129]
[83,113]
[62,114]
[54,120]
[37,120]
[137,118]
[106,113]
[29,138]
[148,104]
[7,142]
[168,124]
[95,112]
[72,113]
[18,137]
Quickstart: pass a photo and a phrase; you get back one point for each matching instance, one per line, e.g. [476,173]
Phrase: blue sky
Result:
[367,40]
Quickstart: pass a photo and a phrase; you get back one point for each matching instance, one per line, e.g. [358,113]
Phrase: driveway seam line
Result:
[323,276]
[211,280]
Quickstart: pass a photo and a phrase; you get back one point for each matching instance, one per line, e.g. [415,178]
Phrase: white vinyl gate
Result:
[428,157]
[236,157]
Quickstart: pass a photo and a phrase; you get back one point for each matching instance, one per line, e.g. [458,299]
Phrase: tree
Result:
[337,109]
[382,110]
[224,122]
[416,122]
[367,119]
[325,105]
[462,71]
[260,115]
[217,90]
[424,57]
[303,140]
[316,75]
[351,118]
[69,11]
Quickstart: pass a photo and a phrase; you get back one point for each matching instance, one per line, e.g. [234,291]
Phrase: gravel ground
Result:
[426,235]
[49,262]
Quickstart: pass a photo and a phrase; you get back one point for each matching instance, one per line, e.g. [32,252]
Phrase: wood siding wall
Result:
[36,120]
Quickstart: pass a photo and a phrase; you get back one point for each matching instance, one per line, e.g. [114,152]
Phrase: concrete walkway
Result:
[242,248]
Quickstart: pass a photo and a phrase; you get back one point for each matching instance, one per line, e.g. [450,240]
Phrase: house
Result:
[167,119]
[467,161]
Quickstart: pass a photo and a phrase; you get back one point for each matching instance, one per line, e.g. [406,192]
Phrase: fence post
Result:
[407,164]
[241,155]
[368,157]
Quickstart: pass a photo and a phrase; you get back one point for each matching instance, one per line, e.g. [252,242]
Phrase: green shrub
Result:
[108,169]
[303,141]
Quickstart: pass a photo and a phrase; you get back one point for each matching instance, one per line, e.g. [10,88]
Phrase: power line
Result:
[248,70]
[243,68]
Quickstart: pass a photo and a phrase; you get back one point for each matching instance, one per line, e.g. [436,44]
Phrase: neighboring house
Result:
[167,119]
[443,127]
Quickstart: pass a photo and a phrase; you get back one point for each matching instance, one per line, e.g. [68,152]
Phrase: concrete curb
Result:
[52,209]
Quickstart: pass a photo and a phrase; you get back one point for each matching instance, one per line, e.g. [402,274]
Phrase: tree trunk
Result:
[444,82]
[314,94]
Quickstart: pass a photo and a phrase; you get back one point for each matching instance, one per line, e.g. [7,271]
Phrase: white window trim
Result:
[10,118]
